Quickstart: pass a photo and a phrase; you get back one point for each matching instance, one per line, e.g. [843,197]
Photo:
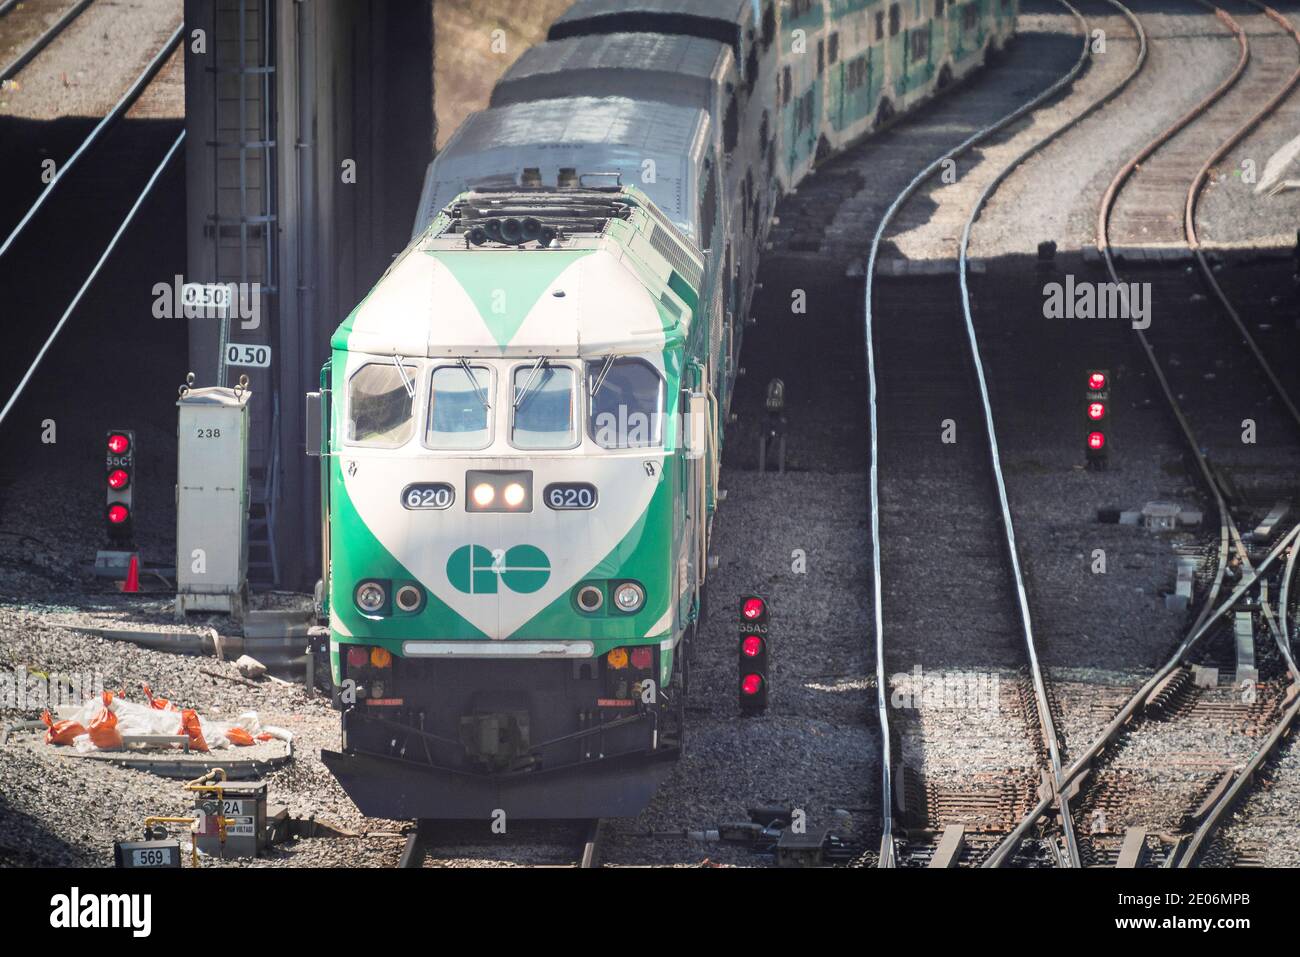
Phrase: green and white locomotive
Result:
[522,421]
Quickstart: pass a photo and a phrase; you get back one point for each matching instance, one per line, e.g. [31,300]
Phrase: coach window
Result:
[769,25]
[708,206]
[460,408]
[543,406]
[381,401]
[833,49]
[731,127]
[880,25]
[895,18]
[627,403]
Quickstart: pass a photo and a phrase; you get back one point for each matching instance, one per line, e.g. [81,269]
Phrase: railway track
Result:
[127,166]
[944,324]
[120,108]
[429,837]
[1171,721]
[42,39]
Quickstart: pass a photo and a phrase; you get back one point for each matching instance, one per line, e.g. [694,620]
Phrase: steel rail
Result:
[1026,620]
[1280,629]
[888,854]
[1243,777]
[1194,195]
[116,113]
[42,41]
[1207,616]
[108,250]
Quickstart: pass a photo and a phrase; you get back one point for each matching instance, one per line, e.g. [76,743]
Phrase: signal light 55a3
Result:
[751,654]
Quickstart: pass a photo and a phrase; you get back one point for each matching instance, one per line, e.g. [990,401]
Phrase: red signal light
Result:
[1097,381]
[751,684]
[751,646]
[1096,410]
[358,657]
[119,444]
[118,514]
[118,478]
[641,658]
[753,608]
[1096,440]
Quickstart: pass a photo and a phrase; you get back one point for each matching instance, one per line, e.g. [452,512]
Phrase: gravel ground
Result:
[817,746]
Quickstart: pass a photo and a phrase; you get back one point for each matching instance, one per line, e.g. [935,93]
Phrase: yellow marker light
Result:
[514,494]
[380,657]
[484,494]
[617,659]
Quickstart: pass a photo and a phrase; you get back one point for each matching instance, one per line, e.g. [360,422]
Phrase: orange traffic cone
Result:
[132,583]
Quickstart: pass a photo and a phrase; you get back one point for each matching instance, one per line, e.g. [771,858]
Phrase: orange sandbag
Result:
[103,727]
[239,737]
[266,736]
[63,732]
[162,704]
[190,725]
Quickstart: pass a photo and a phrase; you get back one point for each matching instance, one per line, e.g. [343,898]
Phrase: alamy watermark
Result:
[1098,300]
[195,300]
[949,691]
[23,688]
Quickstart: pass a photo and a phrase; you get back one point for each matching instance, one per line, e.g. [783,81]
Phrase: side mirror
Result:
[695,425]
[312,420]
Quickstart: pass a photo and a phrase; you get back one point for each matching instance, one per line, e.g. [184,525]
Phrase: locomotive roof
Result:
[685,68]
[732,11]
[610,136]
[620,279]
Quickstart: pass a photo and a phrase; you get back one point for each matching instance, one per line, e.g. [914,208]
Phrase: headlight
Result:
[409,598]
[514,494]
[629,597]
[484,494]
[371,597]
[590,598]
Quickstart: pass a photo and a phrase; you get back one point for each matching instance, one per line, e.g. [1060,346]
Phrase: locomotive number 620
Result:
[436,495]
[562,496]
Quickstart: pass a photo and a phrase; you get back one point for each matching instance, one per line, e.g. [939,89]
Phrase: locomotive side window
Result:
[543,416]
[460,408]
[627,403]
[381,400]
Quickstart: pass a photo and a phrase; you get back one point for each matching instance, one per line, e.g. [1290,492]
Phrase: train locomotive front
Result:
[515,515]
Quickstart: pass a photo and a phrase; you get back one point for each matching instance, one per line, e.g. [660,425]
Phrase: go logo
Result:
[477,569]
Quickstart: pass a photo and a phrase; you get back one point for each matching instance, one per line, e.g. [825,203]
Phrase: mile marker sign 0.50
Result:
[246,354]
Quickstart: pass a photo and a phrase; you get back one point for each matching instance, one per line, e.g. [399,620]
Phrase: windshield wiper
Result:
[473,381]
[406,380]
[532,377]
[599,381]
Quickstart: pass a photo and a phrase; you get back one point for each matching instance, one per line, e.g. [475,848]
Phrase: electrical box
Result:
[212,501]
[243,805]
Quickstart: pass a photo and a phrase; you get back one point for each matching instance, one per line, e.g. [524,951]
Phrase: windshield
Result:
[543,408]
[380,404]
[458,412]
[627,402]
